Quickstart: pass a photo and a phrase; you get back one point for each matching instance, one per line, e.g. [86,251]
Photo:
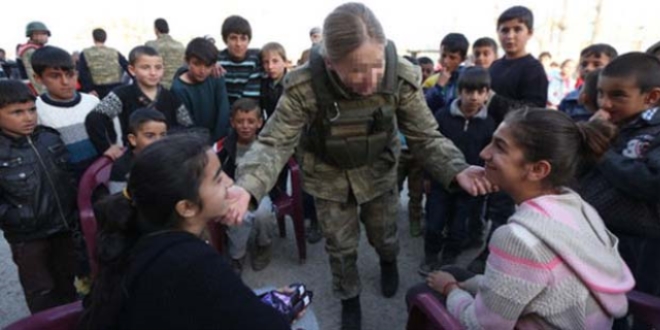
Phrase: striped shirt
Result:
[243,79]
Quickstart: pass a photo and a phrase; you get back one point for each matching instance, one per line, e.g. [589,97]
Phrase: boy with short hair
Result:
[203,94]
[453,51]
[100,67]
[146,65]
[273,58]
[246,120]
[467,123]
[593,57]
[242,65]
[38,200]
[145,126]
[518,79]
[623,185]
[484,51]
[427,65]
[62,107]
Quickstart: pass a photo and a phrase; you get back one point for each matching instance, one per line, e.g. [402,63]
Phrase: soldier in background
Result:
[100,68]
[172,51]
[315,36]
[346,107]
[38,35]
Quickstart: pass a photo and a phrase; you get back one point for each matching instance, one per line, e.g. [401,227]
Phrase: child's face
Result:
[237,45]
[246,124]
[623,99]
[147,70]
[592,62]
[39,37]
[147,134]
[450,61]
[484,56]
[427,70]
[568,69]
[213,191]
[18,119]
[60,84]
[198,71]
[513,36]
[505,163]
[274,65]
[473,101]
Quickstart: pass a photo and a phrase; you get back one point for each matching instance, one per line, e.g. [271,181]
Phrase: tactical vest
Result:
[103,65]
[350,133]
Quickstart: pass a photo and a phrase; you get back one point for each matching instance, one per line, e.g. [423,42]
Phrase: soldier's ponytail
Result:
[347,28]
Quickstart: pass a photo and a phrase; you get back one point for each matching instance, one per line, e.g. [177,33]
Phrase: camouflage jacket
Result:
[259,168]
[173,53]
[25,54]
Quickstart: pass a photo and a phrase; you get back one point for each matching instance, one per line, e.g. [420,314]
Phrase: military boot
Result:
[351,314]
[389,278]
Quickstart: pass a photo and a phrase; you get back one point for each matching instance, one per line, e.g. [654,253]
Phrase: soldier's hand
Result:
[239,201]
[473,180]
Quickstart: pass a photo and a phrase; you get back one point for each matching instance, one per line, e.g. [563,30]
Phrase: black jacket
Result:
[38,191]
[270,95]
[176,281]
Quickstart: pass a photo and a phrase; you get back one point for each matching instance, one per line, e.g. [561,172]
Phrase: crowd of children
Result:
[570,180]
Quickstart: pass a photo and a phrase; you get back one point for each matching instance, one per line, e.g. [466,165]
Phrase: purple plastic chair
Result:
[96,175]
[65,317]
[644,308]
[427,313]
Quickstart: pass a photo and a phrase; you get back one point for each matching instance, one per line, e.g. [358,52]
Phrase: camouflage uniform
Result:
[25,52]
[100,69]
[368,191]
[173,53]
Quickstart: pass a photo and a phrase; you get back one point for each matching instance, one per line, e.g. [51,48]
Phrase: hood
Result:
[576,233]
[455,110]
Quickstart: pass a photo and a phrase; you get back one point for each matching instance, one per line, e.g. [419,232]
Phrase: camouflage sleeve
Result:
[259,169]
[438,154]
[27,62]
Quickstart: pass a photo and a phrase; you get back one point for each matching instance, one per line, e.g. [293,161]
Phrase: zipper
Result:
[465,126]
[50,181]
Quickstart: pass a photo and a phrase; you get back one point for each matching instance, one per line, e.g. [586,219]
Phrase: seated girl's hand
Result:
[442,282]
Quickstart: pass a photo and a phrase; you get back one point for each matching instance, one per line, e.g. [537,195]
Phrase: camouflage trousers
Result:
[409,167]
[341,229]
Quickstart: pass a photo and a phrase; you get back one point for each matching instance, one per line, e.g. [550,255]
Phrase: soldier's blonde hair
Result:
[347,28]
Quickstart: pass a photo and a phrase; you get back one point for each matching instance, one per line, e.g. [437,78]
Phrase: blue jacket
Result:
[573,108]
[439,97]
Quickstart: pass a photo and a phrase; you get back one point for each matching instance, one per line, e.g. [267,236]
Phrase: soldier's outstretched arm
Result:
[438,154]
[259,169]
